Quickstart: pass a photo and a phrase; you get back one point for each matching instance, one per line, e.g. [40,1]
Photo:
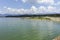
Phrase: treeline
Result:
[50,15]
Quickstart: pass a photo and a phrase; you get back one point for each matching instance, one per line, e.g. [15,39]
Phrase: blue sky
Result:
[29,6]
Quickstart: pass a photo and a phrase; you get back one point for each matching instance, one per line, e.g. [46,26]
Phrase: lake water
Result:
[28,29]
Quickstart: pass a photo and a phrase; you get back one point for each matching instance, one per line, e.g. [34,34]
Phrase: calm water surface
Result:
[27,29]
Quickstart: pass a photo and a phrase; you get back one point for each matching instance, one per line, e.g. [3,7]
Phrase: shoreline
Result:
[46,18]
[55,18]
[57,38]
[38,18]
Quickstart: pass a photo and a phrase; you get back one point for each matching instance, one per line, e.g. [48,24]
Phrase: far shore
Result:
[46,18]
[40,18]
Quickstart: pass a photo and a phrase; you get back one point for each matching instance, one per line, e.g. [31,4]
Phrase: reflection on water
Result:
[27,29]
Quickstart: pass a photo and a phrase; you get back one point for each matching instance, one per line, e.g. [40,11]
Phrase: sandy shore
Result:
[57,38]
[55,19]
[46,18]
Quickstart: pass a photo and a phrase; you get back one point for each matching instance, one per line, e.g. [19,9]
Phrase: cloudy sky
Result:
[29,6]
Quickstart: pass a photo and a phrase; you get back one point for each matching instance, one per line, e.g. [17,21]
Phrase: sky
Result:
[29,6]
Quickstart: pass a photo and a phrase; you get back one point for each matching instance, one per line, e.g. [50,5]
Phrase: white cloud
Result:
[20,11]
[0,11]
[39,1]
[32,10]
[11,10]
[58,3]
[52,9]
[24,1]
[46,1]
[42,9]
